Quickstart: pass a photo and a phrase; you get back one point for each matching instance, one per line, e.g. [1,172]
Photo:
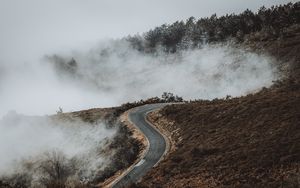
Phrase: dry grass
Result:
[251,141]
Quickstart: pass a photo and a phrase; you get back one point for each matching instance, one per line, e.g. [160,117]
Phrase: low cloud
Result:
[113,73]
[30,146]
[109,74]
[122,74]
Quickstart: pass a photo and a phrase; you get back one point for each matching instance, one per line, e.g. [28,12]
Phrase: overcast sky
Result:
[34,27]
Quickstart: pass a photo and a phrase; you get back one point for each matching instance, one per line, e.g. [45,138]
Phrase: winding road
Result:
[156,145]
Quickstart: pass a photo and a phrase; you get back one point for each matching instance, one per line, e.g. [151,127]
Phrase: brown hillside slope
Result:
[251,141]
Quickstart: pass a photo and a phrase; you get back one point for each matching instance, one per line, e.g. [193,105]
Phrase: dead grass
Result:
[251,141]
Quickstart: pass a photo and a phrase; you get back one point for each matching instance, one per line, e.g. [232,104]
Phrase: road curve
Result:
[156,148]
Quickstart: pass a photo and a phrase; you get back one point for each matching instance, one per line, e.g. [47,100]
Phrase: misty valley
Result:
[221,92]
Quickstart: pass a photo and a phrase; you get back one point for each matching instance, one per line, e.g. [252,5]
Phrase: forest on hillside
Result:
[265,24]
[162,45]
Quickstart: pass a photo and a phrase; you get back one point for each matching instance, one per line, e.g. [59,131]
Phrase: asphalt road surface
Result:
[157,145]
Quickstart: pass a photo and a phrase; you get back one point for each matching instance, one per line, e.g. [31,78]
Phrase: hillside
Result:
[250,141]
[57,170]
[249,138]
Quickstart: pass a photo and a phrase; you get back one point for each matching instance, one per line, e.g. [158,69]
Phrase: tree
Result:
[55,170]
[169,97]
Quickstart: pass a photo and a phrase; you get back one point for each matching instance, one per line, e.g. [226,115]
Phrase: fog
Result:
[124,74]
[104,71]
[113,73]
[108,74]
[35,140]
[32,29]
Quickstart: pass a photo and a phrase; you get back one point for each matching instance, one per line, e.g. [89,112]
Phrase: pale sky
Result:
[34,27]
